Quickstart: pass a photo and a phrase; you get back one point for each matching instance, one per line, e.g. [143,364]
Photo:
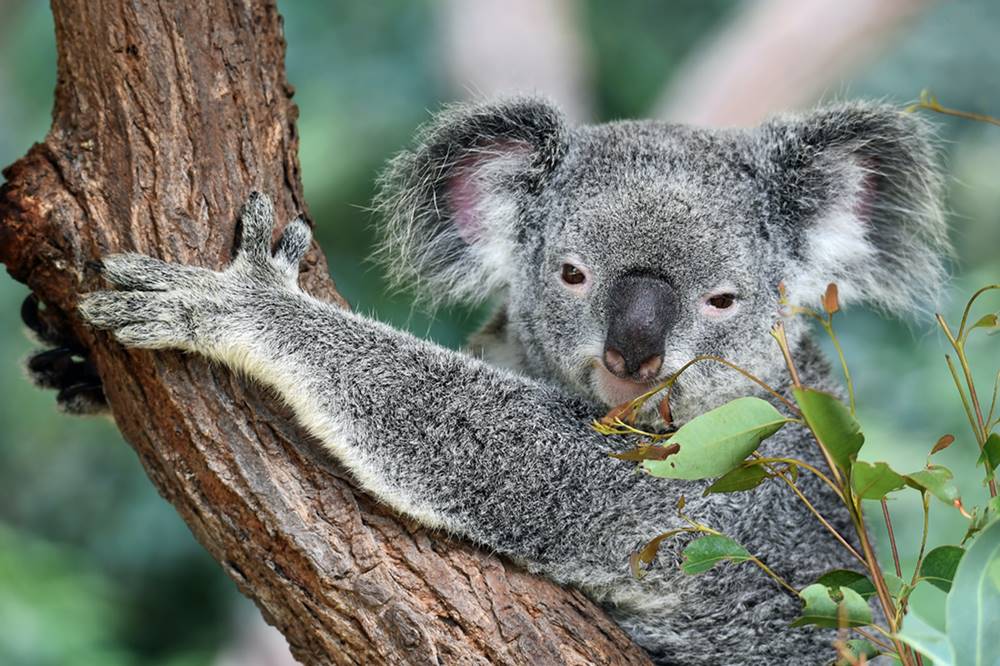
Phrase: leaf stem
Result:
[770,572]
[778,333]
[880,587]
[885,647]
[978,424]
[809,505]
[892,537]
[760,460]
[828,327]
[931,104]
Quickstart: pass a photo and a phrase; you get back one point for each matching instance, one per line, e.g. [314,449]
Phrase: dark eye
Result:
[572,275]
[722,301]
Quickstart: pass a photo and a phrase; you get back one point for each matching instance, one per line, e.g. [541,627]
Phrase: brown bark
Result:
[166,115]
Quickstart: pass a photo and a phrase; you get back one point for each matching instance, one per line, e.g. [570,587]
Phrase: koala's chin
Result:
[612,390]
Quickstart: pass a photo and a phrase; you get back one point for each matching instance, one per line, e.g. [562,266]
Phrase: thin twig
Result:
[828,327]
[819,516]
[892,538]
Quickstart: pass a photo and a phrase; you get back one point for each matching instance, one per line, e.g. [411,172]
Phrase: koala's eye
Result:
[722,301]
[720,305]
[572,275]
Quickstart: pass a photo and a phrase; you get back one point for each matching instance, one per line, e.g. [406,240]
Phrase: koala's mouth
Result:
[613,390]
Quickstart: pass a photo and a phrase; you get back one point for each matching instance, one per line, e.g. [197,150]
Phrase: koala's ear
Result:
[452,206]
[859,201]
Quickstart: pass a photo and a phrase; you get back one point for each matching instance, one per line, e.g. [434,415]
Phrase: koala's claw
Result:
[65,367]
[163,305]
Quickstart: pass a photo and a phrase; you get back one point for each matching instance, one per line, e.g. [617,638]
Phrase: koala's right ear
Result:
[451,206]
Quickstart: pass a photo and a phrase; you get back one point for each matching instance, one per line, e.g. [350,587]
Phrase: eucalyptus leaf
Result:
[991,453]
[927,640]
[717,441]
[705,552]
[937,480]
[847,578]
[896,585]
[982,517]
[939,565]
[987,321]
[972,609]
[858,648]
[833,424]
[744,477]
[874,480]
[824,610]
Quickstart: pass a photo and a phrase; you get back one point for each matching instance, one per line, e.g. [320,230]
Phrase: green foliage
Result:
[874,480]
[705,552]
[833,607]
[991,454]
[929,641]
[849,579]
[939,566]
[718,441]
[938,480]
[744,477]
[857,648]
[973,606]
[833,424]
[972,610]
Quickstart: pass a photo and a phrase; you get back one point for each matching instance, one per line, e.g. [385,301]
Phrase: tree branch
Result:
[166,115]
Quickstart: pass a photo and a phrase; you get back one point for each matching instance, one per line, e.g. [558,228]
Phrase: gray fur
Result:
[505,456]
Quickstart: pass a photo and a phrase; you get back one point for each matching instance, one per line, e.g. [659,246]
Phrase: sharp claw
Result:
[83,398]
[29,314]
[57,360]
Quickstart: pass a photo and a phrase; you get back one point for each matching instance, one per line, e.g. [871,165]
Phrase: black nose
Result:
[641,308]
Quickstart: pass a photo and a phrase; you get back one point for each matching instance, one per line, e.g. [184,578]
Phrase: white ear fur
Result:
[864,191]
[837,249]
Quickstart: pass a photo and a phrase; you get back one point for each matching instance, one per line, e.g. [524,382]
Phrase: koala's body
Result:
[618,252]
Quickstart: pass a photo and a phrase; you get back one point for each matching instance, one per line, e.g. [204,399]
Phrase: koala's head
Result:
[623,250]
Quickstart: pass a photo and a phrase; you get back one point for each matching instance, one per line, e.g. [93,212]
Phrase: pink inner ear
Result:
[463,197]
[464,190]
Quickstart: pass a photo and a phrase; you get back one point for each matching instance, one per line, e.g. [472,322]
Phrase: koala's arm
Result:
[438,435]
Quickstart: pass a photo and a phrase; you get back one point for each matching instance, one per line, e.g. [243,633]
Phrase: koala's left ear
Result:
[452,206]
[858,199]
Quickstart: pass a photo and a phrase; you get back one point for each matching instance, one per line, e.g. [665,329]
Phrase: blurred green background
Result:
[96,568]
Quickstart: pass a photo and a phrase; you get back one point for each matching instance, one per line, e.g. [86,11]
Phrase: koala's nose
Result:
[641,309]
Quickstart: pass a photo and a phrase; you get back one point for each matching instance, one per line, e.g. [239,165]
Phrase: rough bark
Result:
[166,115]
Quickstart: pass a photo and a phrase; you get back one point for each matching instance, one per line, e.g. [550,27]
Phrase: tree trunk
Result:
[167,114]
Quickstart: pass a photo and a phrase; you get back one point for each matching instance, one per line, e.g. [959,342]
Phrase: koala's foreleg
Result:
[440,436]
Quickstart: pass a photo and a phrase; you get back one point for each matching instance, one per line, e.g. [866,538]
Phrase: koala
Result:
[615,253]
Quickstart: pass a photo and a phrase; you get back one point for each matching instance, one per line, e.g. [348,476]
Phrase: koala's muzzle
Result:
[640,311]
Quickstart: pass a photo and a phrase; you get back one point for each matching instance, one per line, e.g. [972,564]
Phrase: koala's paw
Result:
[65,367]
[160,305]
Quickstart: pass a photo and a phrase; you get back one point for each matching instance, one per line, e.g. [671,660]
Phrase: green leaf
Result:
[972,609]
[704,553]
[874,480]
[718,441]
[851,579]
[832,422]
[744,477]
[938,567]
[826,608]
[986,321]
[991,453]
[858,648]
[937,480]
[927,640]
[982,517]
[894,584]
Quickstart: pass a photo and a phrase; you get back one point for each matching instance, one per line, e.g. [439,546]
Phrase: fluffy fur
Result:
[490,202]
